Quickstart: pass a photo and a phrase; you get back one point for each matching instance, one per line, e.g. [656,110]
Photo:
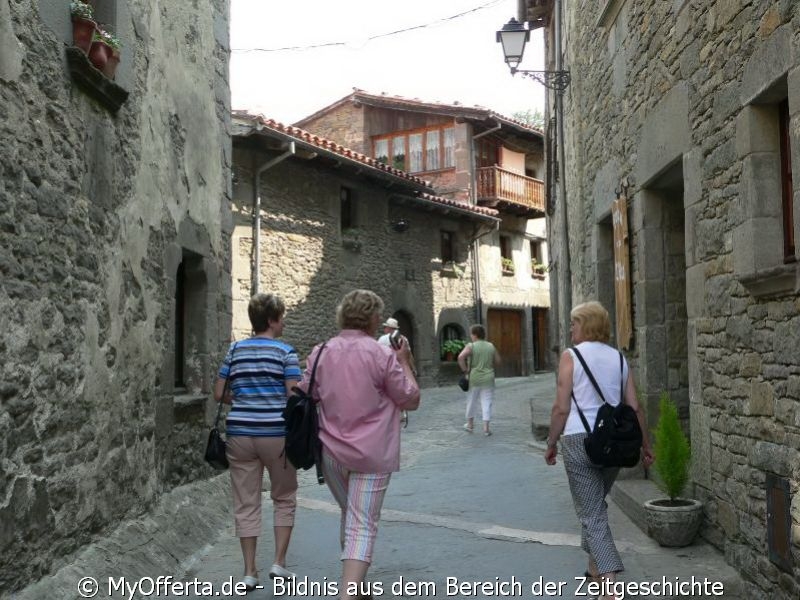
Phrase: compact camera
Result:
[395,339]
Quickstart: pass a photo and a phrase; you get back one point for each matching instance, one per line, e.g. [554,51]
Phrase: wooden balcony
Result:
[510,192]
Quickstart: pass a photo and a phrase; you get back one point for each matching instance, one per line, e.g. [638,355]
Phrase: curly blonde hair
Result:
[594,320]
[357,309]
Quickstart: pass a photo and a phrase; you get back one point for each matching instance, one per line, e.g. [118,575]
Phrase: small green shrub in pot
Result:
[673,521]
[672,450]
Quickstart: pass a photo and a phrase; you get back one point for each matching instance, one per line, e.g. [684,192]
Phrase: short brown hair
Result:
[478,331]
[264,308]
[594,320]
[357,308]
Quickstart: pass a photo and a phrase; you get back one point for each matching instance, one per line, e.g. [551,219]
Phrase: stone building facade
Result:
[114,263]
[333,220]
[477,157]
[691,109]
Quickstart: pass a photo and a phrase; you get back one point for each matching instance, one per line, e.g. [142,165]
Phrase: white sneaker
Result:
[250,582]
[467,428]
[278,571]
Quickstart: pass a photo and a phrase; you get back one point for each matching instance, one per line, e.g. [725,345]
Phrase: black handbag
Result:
[215,448]
[463,381]
[616,440]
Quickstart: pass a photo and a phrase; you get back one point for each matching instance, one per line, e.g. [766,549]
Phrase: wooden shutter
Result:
[622,286]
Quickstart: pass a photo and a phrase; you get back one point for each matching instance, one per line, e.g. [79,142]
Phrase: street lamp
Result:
[513,36]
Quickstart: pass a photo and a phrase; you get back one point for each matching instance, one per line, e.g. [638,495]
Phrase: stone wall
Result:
[97,211]
[678,97]
[345,125]
[311,263]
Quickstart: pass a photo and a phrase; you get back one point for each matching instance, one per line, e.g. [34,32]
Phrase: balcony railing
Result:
[509,191]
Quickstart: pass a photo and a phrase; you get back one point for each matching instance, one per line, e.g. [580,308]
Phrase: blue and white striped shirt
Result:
[258,369]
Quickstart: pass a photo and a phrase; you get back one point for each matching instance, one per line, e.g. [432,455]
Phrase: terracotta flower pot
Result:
[82,32]
[98,54]
[110,69]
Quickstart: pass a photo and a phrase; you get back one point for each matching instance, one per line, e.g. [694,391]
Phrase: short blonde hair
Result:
[357,309]
[264,308]
[594,321]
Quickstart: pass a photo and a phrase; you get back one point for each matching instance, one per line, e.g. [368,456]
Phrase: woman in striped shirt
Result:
[261,371]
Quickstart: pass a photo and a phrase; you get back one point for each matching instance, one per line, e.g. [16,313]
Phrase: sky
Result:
[444,58]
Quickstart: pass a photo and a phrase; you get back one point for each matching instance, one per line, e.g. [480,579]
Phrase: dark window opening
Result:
[347,209]
[505,246]
[448,255]
[506,260]
[190,345]
[180,329]
[786,182]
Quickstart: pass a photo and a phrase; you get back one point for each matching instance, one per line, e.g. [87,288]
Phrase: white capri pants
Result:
[486,397]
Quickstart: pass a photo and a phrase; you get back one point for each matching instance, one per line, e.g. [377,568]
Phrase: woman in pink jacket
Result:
[361,386]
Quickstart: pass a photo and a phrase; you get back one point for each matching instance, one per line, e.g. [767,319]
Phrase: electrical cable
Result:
[374,37]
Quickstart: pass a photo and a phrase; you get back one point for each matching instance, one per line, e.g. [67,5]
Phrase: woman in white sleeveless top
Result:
[589,484]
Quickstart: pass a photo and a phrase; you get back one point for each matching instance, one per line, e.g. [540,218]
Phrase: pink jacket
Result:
[361,388]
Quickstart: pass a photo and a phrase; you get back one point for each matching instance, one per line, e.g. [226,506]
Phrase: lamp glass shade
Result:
[513,37]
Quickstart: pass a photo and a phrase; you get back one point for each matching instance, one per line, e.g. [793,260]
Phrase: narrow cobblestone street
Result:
[465,506]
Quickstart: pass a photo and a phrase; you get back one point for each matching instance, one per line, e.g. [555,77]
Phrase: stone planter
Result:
[673,523]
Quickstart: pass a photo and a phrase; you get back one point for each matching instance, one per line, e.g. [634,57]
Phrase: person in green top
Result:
[483,358]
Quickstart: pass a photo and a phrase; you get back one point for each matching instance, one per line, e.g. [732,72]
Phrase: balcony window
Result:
[429,149]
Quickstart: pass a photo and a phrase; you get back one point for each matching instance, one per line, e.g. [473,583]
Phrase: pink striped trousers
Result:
[360,496]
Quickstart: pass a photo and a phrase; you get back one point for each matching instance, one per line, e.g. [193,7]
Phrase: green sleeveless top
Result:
[482,363]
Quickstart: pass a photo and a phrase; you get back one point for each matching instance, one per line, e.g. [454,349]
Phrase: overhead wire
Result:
[374,37]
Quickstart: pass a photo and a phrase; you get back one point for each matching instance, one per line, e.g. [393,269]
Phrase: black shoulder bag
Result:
[215,448]
[302,446]
[616,440]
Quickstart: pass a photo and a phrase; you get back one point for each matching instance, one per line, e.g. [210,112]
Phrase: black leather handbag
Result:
[215,448]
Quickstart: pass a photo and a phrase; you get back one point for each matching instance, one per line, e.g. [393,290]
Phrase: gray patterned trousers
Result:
[590,485]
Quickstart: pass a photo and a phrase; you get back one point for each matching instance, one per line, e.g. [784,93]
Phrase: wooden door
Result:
[504,330]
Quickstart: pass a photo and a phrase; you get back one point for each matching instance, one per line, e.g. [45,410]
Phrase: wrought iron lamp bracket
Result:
[554,80]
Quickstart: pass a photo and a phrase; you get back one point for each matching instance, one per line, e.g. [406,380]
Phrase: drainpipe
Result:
[257,208]
[565,269]
[476,279]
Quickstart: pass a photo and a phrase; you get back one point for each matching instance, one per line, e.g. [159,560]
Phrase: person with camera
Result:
[360,387]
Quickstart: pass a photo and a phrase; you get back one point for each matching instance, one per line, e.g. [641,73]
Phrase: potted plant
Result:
[113,42]
[507,265]
[538,269]
[452,348]
[99,51]
[83,24]
[672,521]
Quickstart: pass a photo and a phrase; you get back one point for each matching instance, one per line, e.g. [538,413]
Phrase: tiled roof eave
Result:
[445,205]
[259,126]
